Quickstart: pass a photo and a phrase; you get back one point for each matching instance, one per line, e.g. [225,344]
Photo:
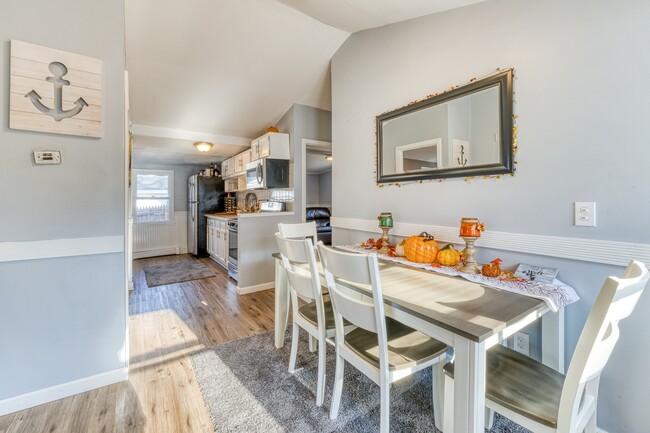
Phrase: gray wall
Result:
[580,71]
[312,194]
[301,122]
[325,188]
[319,189]
[63,319]
[181,174]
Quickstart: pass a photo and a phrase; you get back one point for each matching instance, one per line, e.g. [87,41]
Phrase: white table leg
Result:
[469,386]
[553,340]
[281,304]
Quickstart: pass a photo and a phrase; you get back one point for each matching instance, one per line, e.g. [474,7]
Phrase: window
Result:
[153,195]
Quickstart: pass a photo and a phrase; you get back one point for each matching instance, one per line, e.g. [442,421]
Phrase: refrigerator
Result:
[205,195]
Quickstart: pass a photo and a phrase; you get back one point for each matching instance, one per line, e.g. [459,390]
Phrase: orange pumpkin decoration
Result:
[492,269]
[421,249]
[272,129]
[448,256]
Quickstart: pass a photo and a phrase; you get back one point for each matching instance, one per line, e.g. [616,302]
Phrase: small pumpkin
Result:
[448,256]
[421,249]
[399,249]
[492,269]
[272,129]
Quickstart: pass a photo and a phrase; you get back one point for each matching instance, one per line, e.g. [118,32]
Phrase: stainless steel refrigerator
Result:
[205,195]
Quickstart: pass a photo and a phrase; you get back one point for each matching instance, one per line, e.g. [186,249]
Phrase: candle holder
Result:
[470,231]
[469,266]
[385,224]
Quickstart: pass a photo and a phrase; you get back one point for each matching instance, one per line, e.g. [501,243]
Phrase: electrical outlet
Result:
[585,213]
[521,343]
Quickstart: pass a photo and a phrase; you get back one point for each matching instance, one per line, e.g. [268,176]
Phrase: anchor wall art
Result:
[54,91]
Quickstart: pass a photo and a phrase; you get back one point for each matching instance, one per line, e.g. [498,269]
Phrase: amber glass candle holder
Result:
[470,231]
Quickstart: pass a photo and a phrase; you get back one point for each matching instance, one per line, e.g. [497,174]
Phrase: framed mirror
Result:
[464,132]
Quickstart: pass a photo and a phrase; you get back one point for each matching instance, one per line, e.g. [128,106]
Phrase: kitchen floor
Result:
[167,324]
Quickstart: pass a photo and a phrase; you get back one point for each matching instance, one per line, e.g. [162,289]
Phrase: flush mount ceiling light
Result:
[329,157]
[203,146]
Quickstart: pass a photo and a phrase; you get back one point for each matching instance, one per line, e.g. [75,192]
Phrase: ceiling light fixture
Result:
[203,146]
[329,157]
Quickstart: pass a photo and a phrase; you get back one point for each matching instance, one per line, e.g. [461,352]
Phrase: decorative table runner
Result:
[557,295]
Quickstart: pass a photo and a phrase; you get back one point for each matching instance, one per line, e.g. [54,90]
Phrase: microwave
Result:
[267,173]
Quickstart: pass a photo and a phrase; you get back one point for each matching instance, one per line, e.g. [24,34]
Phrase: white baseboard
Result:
[253,289]
[588,250]
[46,395]
[156,253]
[53,248]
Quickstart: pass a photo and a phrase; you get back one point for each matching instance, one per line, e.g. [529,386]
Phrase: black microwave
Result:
[267,173]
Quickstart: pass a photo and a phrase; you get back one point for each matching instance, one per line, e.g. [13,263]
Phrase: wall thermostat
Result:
[47,157]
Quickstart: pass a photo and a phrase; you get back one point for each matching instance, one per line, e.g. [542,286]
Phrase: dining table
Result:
[466,315]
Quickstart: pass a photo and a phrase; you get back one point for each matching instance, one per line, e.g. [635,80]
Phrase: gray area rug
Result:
[247,388]
[176,273]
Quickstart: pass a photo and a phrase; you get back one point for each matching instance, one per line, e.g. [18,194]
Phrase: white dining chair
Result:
[315,317]
[538,397]
[299,231]
[380,347]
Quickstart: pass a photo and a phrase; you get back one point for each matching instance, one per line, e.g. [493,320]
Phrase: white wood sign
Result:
[54,91]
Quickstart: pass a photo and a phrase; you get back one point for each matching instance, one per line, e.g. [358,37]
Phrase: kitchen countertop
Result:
[232,215]
[222,215]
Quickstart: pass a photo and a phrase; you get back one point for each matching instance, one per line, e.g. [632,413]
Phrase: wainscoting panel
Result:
[588,250]
[160,239]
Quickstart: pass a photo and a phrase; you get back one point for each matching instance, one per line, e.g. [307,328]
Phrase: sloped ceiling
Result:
[224,70]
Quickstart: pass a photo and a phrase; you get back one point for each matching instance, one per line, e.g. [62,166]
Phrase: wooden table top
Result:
[471,310]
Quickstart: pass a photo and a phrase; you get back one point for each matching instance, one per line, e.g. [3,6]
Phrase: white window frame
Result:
[134,192]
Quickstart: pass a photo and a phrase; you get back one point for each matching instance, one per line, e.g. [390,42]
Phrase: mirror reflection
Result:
[464,132]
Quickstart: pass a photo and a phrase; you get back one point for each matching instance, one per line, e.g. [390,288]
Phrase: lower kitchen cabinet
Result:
[217,244]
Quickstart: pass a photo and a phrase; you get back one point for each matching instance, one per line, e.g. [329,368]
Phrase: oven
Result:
[233,270]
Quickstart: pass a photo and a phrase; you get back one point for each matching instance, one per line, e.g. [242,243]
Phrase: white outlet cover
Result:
[521,343]
[585,213]
[47,157]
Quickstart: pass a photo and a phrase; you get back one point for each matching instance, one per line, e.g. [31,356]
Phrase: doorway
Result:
[316,175]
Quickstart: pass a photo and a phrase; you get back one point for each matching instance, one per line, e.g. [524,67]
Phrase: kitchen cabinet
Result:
[271,145]
[228,167]
[236,165]
[217,244]
[234,184]
[240,162]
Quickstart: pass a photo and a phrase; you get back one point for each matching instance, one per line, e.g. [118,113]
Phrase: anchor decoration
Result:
[462,160]
[57,113]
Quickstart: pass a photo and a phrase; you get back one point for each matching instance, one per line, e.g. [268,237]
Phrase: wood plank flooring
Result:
[167,324]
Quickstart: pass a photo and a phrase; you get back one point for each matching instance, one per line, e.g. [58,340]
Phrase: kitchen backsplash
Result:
[281,194]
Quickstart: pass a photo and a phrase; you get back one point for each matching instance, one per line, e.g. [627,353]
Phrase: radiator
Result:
[160,239]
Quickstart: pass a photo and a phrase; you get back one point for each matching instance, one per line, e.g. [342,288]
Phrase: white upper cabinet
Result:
[272,145]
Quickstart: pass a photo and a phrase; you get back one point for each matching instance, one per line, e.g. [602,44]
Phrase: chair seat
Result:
[308,311]
[522,385]
[406,346]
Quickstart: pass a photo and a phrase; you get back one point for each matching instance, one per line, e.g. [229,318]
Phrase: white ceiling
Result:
[224,70]
[355,15]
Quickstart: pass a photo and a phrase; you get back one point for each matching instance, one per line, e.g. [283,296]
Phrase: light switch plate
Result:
[585,213]
[47,157]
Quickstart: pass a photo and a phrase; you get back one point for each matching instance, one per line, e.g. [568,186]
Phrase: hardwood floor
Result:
[167,323]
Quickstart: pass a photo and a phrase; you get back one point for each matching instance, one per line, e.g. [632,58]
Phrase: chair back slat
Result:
[299,231]
[343,269]
[616,301]
[302,283]
[299,262]
[351,267]
[356,311]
